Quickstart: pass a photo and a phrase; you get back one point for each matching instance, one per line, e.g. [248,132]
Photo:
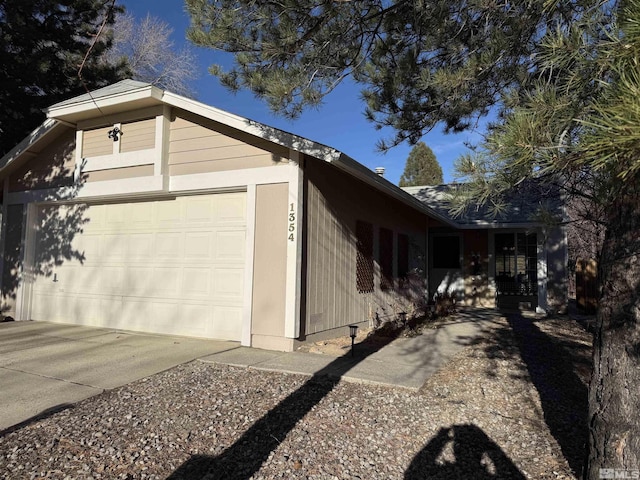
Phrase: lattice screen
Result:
[364,258]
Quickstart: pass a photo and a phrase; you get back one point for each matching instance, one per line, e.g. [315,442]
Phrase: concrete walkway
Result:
[404,362]
[45,367]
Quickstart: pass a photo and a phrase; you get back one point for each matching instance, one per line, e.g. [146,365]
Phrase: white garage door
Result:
[169,266]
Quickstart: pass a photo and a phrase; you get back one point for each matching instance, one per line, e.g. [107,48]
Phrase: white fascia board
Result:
[147,92]
[29,141]
[272,134]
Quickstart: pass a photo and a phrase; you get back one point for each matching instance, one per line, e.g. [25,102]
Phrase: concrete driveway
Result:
[46,367]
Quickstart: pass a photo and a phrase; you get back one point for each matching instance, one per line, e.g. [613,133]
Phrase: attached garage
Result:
[173,266]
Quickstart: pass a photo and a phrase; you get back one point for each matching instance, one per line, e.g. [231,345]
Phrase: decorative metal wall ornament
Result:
[113,134]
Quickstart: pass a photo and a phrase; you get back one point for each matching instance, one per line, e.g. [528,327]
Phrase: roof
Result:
[121,87]
[524,204]
[131,94]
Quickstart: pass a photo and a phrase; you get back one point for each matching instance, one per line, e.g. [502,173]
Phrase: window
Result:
[386,259]
[403,256]
[364,257]
[446,251]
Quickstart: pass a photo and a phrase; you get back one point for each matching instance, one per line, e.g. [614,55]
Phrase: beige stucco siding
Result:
[335,202]
[51,167]
[139,135]
[270,260]
[199,146]
[12,259]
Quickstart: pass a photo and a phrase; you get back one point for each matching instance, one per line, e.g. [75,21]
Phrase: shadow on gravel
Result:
[462,451]
[551,364]
[247,454]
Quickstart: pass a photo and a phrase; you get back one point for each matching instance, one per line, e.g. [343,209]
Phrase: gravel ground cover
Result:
[512,405]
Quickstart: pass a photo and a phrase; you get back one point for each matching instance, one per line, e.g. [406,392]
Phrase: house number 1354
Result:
[292,223]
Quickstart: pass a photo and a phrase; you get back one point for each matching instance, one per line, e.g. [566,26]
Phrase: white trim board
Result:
[295,211]
[230,178]
[247,303]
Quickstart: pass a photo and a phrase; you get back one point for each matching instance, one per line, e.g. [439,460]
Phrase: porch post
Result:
[541,242]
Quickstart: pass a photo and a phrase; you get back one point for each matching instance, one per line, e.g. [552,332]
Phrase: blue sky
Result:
[339,122]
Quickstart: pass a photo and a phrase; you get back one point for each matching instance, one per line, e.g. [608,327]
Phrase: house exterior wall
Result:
[334,204]
[199,147]
[138,135]
[96,142]
[269,268]
[52,167]
[135,135]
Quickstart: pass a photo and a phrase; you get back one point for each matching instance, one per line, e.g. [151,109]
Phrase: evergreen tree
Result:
[421,168]
[420,63]
[42,47]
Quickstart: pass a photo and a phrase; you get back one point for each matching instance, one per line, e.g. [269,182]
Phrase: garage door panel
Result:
[164,282]
[140,246]
[231,209]
[106,279]
[167,266]
[196,282]
[169,245]
[230,245]
[196,319]
[228,284]
[117,216]
[154,316]
[227,322]
[89,245]
[139,215]
[199,211]
[112,248]
[198,245]
[84,310]
[169,214]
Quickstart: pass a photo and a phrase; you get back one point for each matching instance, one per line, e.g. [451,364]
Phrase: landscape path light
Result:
[353,331]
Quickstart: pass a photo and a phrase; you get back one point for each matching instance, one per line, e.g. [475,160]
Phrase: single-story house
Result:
[134,208]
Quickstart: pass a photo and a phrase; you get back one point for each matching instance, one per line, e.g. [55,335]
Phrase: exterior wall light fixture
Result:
[113,134]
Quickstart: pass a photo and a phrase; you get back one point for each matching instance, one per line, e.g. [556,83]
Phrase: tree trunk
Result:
[614,392]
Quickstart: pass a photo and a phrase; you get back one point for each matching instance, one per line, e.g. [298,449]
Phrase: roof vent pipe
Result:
[380,171]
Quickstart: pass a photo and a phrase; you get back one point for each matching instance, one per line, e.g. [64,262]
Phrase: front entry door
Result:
[516,278]
[445,274]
